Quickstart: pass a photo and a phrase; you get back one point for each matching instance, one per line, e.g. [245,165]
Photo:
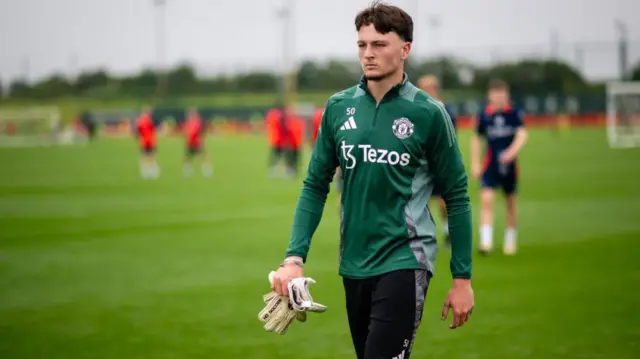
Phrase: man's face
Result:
[498,97]
[380,54]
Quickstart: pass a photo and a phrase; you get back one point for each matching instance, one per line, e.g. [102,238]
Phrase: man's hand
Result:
[510,154]
[281,310]
[507,157]
[287,271]
[460,300]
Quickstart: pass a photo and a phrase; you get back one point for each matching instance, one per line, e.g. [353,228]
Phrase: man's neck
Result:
[379,88]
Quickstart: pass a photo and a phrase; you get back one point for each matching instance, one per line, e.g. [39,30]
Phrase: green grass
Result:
[98,263]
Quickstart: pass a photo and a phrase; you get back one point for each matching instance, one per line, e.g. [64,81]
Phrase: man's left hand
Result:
[460,301]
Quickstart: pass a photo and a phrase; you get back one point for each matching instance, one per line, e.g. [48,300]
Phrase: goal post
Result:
[30,126]
[623,114]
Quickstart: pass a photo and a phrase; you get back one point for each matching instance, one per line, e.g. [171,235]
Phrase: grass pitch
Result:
[97,263]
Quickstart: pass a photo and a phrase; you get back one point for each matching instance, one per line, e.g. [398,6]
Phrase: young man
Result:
[392,142]
[503,128]
[194,132]
[146,133]
[431,85]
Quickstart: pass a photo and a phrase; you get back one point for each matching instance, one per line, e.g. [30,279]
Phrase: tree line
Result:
[525,76]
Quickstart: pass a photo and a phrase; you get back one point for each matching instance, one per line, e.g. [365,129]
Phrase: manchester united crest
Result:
[402,128]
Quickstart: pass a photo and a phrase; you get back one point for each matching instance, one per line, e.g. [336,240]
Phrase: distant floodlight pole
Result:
[554,41]
[161,46]
[623,50]
[293,68]
[281,14]
[434,22]
[287,83]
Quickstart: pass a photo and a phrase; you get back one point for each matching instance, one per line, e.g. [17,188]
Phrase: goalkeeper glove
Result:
[300,316]
[300,296]
[280,311]
[277,314]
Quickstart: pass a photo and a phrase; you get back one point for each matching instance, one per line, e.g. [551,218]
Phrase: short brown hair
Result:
[385,19]
[497,84]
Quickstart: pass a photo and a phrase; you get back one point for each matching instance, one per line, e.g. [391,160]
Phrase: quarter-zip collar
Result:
[394,91]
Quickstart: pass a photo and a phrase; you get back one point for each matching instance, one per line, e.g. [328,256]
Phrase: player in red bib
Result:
[194,135]
[280,127]
[146,134]
[294,143]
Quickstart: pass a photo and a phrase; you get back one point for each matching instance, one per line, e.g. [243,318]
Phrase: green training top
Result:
[391,154]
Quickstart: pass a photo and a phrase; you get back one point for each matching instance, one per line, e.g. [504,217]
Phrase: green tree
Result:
[257,82]
[635,72]
[183,80]
[308,75]
[445,68]
[19,89]
[53,86]
[533,76]
[337,75]
[88,81]
[142,84]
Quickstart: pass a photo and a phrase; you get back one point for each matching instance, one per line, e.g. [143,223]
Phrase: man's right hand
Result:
[288,271]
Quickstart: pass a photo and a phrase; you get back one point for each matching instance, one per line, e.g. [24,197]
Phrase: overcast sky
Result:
[40,37]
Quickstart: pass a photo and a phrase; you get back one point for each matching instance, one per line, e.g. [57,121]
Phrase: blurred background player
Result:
[294,142]
[275,123]
[285,138]
[431,85]
[502,126]
[194,132]
[146,134]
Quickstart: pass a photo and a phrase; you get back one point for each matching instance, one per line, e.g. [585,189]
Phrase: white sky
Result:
[39,37]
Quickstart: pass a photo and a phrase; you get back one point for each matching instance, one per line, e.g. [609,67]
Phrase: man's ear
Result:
[406,49]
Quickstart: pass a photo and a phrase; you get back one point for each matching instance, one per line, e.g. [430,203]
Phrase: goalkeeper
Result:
[399,143]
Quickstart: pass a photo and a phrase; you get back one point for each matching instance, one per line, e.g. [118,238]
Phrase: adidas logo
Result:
[349,124]
[400,356]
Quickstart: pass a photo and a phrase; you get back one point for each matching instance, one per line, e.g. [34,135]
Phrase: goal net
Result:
[623,114]
[26,127]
